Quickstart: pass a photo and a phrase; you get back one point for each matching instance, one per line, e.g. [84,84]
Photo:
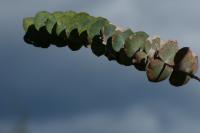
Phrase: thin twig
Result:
[191,75]
[195,77]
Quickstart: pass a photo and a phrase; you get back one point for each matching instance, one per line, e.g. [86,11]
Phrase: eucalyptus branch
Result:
[159,58]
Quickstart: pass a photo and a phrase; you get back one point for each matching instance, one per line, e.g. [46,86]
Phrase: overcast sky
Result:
[58,90]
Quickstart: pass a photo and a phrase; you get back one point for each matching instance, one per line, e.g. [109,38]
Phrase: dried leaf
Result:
[157,70]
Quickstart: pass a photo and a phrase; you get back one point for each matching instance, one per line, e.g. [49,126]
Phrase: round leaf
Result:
[50,23]
[186,61]
[140,60]
[118,39]
[179,78]
[27,22]
[151,46]
[95,28]
[142,34]
[123,59]
[60,26]
[168,51]
[133,44]
[108,31]
[127,33]
[40,19]
[157,70]
[82,20]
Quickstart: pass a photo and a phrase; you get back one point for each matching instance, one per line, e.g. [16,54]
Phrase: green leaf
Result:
[27,22]
[69,21]
[142,34]
[132,45]
[141,38]
[151,46]
[95,28]
[108,31]
[82,20]
[168,51]
[127,33]
[50,23]
[57,14]
[157,70]
[117,41]
[119,38]
[135,42]
[60,26]
[150,49]
[40,19]
[86,23]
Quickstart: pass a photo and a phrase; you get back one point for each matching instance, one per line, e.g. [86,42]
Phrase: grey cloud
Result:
[138,119]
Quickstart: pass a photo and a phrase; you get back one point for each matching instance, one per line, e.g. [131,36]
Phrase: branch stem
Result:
[191,75]
[195,77]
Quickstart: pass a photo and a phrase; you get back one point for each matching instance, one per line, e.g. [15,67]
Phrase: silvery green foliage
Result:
[160,59]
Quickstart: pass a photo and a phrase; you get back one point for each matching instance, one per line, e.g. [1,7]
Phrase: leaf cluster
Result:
[160,59]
